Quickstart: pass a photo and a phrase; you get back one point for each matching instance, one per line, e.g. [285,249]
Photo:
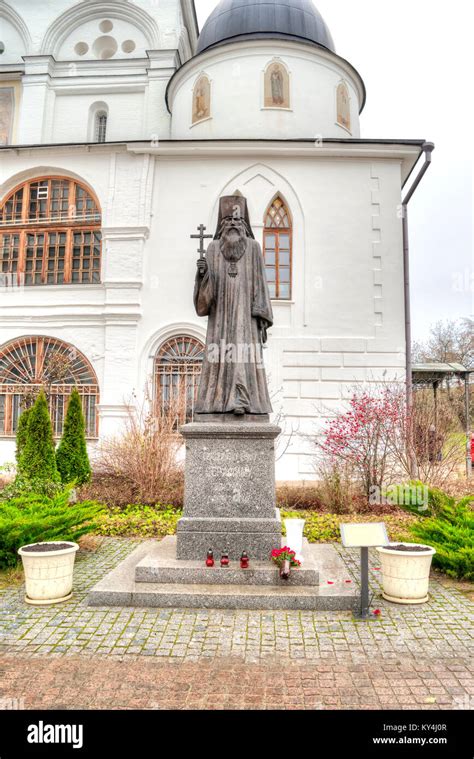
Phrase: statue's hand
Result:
[262,325]
[201,266]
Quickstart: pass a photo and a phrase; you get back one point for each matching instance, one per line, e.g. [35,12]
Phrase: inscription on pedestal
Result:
[229,475]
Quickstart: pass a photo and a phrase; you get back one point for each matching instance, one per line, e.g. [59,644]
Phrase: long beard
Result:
[232,250]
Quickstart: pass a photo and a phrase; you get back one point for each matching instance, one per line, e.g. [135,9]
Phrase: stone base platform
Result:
[160,565]
[152,576]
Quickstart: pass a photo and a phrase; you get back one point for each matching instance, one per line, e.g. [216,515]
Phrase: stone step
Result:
[233,597]
[160,565]
[119,588]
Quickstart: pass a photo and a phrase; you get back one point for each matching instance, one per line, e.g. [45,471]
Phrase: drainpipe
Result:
[427,149]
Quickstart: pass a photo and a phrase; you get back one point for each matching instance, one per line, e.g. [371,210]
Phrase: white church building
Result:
[120,127]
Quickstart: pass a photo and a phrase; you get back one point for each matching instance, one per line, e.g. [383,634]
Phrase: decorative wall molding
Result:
[376,247]
[11,15]
[62,27]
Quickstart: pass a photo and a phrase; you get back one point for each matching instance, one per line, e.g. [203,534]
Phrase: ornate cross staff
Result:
[201,237]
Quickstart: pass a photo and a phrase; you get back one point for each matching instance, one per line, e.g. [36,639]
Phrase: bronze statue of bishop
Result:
[231,290]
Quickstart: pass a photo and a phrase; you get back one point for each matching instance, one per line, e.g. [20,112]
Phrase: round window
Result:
[128,46]
[81,48]
[106,26]
[104,47]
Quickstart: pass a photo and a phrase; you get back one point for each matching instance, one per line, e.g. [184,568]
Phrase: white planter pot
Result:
[294,535]
[48,574]
[405,574]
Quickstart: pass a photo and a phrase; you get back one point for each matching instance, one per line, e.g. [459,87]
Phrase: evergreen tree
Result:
[71,457]
[37,460]
[22,435]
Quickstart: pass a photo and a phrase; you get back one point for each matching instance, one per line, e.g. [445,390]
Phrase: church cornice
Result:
[405,151]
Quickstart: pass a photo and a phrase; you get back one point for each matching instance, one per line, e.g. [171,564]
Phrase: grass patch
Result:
[136,520]
[11,577]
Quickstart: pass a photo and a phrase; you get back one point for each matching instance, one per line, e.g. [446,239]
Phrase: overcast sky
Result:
[415,57]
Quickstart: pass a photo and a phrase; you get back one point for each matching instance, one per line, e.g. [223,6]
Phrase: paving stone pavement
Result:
[92,657]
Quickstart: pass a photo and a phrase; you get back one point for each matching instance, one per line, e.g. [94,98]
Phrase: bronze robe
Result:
[233,305]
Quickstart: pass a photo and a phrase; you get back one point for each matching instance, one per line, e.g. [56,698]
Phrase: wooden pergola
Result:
[435,374]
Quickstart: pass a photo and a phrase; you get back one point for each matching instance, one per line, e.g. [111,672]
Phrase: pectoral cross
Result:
[201,237]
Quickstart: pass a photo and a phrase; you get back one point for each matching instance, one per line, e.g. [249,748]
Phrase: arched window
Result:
[177,370]
[50,233]
[343,106]
[277,249]
[100,126]
[31,363]
[201,99]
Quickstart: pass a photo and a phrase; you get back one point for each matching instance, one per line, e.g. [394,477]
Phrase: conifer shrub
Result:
[72,460]
[37,459]
[34,518]
[451,534]
[22,434]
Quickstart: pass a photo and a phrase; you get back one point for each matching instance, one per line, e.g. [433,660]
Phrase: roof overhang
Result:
[407,152]
[433,373]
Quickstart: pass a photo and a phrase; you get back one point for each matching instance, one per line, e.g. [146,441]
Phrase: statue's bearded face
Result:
[233,238]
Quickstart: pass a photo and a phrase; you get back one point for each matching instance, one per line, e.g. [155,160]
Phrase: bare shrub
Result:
[143,464]
[339,492]
[305,496]
[427,442]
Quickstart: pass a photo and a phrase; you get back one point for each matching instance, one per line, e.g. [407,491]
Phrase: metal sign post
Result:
[364,536]
[364,611]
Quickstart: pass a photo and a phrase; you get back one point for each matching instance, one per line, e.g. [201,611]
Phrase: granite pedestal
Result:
[229,496]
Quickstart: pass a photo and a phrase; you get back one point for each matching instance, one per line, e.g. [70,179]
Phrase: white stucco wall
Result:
[42,56]
[54,27]
[344,324]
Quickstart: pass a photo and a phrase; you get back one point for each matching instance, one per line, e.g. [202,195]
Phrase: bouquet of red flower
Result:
[284,558]
[279,555]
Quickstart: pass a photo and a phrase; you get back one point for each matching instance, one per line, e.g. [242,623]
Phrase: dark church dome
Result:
[235,20]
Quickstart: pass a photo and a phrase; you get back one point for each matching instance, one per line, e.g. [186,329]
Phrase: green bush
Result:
[37,460]
[72,460]
[22,487]
[34,518]
[451,533]
[22,434]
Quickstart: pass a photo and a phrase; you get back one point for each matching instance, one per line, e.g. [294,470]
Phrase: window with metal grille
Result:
[277,249]
[100,126]
[31,363]
[50,233]
[177,371]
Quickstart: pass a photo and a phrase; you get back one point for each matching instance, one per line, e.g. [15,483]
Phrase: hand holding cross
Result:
[201,262]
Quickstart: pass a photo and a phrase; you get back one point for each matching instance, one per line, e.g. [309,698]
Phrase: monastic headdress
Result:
[233,206]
